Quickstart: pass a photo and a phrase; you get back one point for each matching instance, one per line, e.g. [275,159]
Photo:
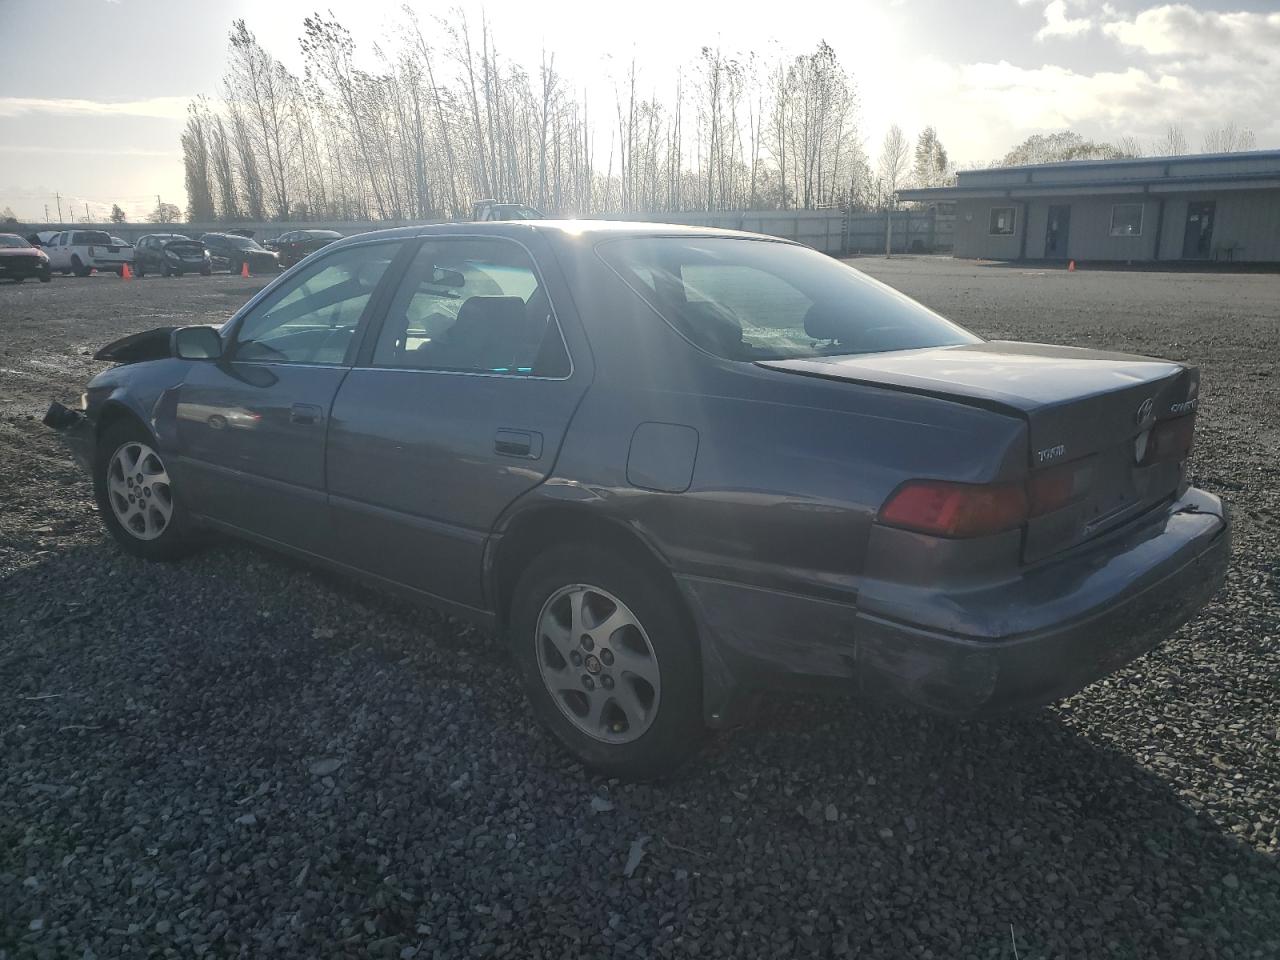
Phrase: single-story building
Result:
[1202,207]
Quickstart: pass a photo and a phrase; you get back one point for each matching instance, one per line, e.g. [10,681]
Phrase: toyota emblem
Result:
[1144,411]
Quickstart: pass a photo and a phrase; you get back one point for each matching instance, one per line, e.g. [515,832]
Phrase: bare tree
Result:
[893,161]
[1173,143]
[1229,139]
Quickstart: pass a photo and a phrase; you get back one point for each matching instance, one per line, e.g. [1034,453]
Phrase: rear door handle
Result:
[518,443]
[305,414]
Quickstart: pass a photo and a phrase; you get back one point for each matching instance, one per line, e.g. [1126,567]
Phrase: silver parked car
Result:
[674,466]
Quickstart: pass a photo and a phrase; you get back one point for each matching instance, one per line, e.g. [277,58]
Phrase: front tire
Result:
[610,661]
[136,496]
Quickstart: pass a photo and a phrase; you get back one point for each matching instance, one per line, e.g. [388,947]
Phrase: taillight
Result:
[1055,488]
[947,509]
[1169,440]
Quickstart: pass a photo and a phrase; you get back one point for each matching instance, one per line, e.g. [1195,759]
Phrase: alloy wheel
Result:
[139,490]
[598,664]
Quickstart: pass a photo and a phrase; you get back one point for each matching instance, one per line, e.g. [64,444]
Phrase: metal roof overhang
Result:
[1258,181]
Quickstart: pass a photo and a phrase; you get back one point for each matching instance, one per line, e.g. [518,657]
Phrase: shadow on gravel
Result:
[175,769]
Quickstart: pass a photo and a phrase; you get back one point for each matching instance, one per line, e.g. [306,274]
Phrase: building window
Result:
[1126,220]
[1002,220]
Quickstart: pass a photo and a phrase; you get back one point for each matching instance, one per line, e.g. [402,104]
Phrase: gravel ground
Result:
[238,756]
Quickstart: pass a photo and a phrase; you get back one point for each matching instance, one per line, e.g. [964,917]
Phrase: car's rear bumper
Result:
[1028,642]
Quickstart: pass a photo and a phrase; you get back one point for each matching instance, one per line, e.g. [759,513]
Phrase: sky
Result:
[93,92]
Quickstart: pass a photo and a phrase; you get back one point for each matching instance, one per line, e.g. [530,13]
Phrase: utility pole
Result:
[46,213]
[157,204]
[86,212]
[59,198]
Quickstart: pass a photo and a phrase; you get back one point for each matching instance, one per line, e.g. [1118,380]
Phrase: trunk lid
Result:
[1080,406]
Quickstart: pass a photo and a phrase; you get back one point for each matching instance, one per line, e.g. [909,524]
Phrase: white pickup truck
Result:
[82,251]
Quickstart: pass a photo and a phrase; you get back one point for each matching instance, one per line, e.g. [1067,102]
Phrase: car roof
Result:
[586,232]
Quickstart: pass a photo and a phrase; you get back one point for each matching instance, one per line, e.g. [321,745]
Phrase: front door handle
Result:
[518,443]
[305,414]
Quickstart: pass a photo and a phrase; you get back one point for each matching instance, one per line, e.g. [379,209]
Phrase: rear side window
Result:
[472,305]
[759,300]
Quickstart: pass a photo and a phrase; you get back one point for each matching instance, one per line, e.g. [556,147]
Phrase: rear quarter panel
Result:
[790,470]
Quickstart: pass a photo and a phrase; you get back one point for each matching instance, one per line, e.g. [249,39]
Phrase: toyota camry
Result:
[673,466]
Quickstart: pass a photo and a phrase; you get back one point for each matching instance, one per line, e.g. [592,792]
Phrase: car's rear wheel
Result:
[610,660]
[166,271]
[136,495]
[46,277]
[139,270]
[78,267]
[206,271]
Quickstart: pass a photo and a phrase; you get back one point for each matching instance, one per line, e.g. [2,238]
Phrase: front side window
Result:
[760,300]
[1126,220]
[1003,220]
[474,305]
[313,318]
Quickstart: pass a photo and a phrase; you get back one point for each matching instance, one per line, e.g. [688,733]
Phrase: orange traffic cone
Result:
[125,272]
[1071,265]
[244,269]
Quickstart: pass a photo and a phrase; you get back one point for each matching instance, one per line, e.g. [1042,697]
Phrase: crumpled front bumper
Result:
[1026,643]
[76,430]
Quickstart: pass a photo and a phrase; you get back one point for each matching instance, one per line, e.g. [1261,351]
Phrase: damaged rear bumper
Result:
[1026,643]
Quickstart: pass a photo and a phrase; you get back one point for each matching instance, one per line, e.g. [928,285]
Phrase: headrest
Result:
[823,323]
[491,316]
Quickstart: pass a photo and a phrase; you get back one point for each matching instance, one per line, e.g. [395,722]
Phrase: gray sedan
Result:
[673,466]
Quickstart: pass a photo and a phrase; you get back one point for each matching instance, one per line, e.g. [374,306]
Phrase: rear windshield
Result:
[243,243]
[7,241]
[751,300]
[92,236]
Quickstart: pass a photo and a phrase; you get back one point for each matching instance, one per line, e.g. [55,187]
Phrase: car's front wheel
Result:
[136,495]
[610,660]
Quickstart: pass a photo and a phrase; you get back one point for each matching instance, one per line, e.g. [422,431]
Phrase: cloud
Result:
[96,151]
[165,108]
[1058,23]
[1002,103]
[1182,31]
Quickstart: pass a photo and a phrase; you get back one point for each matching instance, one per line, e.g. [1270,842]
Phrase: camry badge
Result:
[1144,411]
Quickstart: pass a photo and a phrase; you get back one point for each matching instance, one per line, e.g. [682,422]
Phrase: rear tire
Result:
[610,661]
[142,515]
[206,271]
[139,271]
[46,277]
[79,269]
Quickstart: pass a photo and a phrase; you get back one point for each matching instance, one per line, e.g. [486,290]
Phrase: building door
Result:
[1198,239]
[1056,232]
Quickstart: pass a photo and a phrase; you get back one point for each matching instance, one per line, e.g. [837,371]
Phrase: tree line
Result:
[434,117]
[442,119]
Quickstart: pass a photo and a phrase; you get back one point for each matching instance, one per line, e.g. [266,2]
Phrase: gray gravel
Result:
[238,756]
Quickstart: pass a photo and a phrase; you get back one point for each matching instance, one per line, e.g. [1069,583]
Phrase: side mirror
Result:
[196,343]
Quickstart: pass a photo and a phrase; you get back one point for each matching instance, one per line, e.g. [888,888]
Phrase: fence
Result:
[834,232]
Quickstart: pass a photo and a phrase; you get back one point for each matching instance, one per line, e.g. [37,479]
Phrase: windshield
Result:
[6,241]
[758,300]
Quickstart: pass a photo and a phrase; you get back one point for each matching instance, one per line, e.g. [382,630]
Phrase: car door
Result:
[250,428]
[58,256]
[456,406]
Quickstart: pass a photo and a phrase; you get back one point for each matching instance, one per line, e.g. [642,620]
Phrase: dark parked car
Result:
[170,254]
[674,466]
[19,259]
[230,252]
[299,244]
